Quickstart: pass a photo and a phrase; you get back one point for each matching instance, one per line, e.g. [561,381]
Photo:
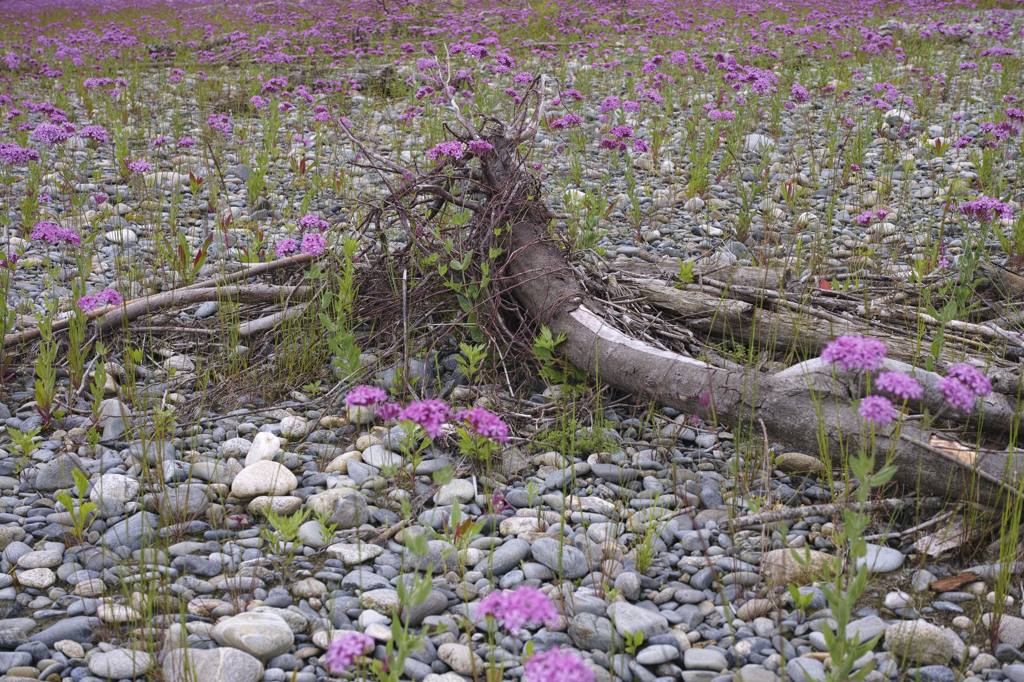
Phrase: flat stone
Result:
[590,632]
[120,664]
[799,463]
[881,559]
[379,456]
[704,659]
[920,642]
[780,567]
[223,664]
[657,653]
[805,669]
[383,600]
[458,658]
[355,554]
[1011,629]
[264,478]
[630,619]
[754,673]
[343,506]
[236,448]
[571,564]
[80,629]
[39,578]
[132,532]
[114,486]
[504,558]
[263,635]
[459,489]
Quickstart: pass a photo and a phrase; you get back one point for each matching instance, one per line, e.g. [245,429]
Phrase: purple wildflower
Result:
[876,409]
[558,665]
[985,208]
[310,221]
[97,133]
[258,102]
[87,303]
[344,650]
[13,155]
[957,394]
[484,423]
[110,297]
[900,385]
[159,141]
[186,143]
[639,146]
[52,233]
[285,246]
[567,121]
[799,93]
[313,244]
[515,608]
[51,134]
[608,104]
[480,147]
[389,411]
[452,149]
[365,395]
[140,166]
[630,107]
[621,132]
[524,78]
[969,376]
[855,352]
[723,115]
[963,141]
[430,414]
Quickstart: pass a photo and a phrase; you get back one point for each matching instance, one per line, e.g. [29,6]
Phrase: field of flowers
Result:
[176,470]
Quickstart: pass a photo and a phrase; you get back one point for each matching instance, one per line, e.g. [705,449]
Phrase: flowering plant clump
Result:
[365,395]
[312,222]
[984,209]
[515,608]
[877,409]
[313,244]
[429,414]
[484,423]
[855,352]
[452,149]
[558,665]
[52,233]
[962,384]
[285,246]
[900,385]
[345,649]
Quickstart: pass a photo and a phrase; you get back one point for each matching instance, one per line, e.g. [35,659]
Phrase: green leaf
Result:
[81,482]
[442,477]
[417,545]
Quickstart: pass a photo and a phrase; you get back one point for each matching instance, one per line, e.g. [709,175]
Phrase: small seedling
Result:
[80,512]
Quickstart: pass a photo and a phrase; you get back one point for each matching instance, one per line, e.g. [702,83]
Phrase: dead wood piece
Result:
[831,509]
[270,321]
[254,293]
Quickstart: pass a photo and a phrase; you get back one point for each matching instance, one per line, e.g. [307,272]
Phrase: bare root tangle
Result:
[807,406]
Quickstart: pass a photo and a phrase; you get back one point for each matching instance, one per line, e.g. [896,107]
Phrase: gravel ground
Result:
[179,531]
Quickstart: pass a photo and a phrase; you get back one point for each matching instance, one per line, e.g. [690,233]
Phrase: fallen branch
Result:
[32,334]
[831,509]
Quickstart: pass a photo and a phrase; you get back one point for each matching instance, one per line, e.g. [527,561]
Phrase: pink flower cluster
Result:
[52,233]
[430,414]
[310,222]
[516,608]
[855,352]
[961,384]
[99,299]
[343,651]
[558,665]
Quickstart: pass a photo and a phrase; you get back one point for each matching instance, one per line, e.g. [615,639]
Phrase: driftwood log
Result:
[806,406]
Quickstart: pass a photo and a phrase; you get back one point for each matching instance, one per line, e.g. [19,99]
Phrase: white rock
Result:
[294,428]
[114,486]
[39,578]
[264,478]
[459,489]
[265,446]
[355,554]
[457,656]
[120,664]
[235,447]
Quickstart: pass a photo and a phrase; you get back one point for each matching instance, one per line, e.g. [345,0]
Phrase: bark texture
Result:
[807,406]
